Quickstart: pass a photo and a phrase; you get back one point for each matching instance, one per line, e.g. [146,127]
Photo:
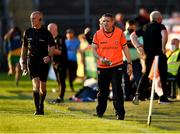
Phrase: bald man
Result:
[142,18]
[37,49]
[155,38]
[59,61]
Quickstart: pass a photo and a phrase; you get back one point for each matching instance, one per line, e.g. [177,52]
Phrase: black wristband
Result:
[129,63]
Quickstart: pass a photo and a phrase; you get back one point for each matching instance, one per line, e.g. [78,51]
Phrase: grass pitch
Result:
[17,108]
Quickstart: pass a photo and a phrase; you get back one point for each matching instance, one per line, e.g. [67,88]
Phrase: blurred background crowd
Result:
[79,14]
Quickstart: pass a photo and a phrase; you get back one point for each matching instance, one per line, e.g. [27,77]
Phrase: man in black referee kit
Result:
[37,49]
[59,61]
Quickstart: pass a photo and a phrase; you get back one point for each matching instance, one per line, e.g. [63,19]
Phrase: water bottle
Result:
[108,61]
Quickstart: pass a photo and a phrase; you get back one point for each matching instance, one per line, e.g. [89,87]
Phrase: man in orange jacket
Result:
[108,44]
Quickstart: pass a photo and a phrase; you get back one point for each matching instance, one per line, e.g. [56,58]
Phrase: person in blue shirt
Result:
[72,44]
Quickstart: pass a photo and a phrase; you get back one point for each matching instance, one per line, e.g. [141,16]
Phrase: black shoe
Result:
[120,117]
[135,100]
[164,100]
[142,98]
[41,109]
[128,99]
[36,113]
[98,115]
[58,100]
[39,113]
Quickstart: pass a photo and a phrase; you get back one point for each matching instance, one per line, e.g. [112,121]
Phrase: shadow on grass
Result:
[160,119]
[109,116]
[17,95]
[20,111]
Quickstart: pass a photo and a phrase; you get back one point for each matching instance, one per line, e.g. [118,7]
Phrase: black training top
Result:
[38,41]
[151,34]
[60,44]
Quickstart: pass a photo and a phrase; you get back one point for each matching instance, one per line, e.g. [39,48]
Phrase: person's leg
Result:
[74,73]
[43,75]
[103,93]
[162,65]
[11,69]
[57,73]
[126,83]
[137,72]
[118,99]
[72,70]
[62,72]
[17,73]
[144,83]
[36,97]
[55,68]
[33,72]
[10,66]
[42,96]
[61,79]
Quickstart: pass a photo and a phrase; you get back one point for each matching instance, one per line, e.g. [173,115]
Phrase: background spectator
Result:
[119,21]
[59,61]
[13,42]
[72,44]
[142,18]
[174,60]
[130,84]
[155,38]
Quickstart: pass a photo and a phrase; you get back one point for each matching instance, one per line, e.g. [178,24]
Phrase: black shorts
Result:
[38,68]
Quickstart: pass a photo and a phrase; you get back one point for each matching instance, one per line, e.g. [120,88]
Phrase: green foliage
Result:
[17,108]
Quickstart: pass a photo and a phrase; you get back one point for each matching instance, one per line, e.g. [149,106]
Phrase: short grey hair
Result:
[155,15]
[39,13]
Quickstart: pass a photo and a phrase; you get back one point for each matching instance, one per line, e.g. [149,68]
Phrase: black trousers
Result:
[60,72]
[72,70]
[162,66]
[105,77]
[128,85]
